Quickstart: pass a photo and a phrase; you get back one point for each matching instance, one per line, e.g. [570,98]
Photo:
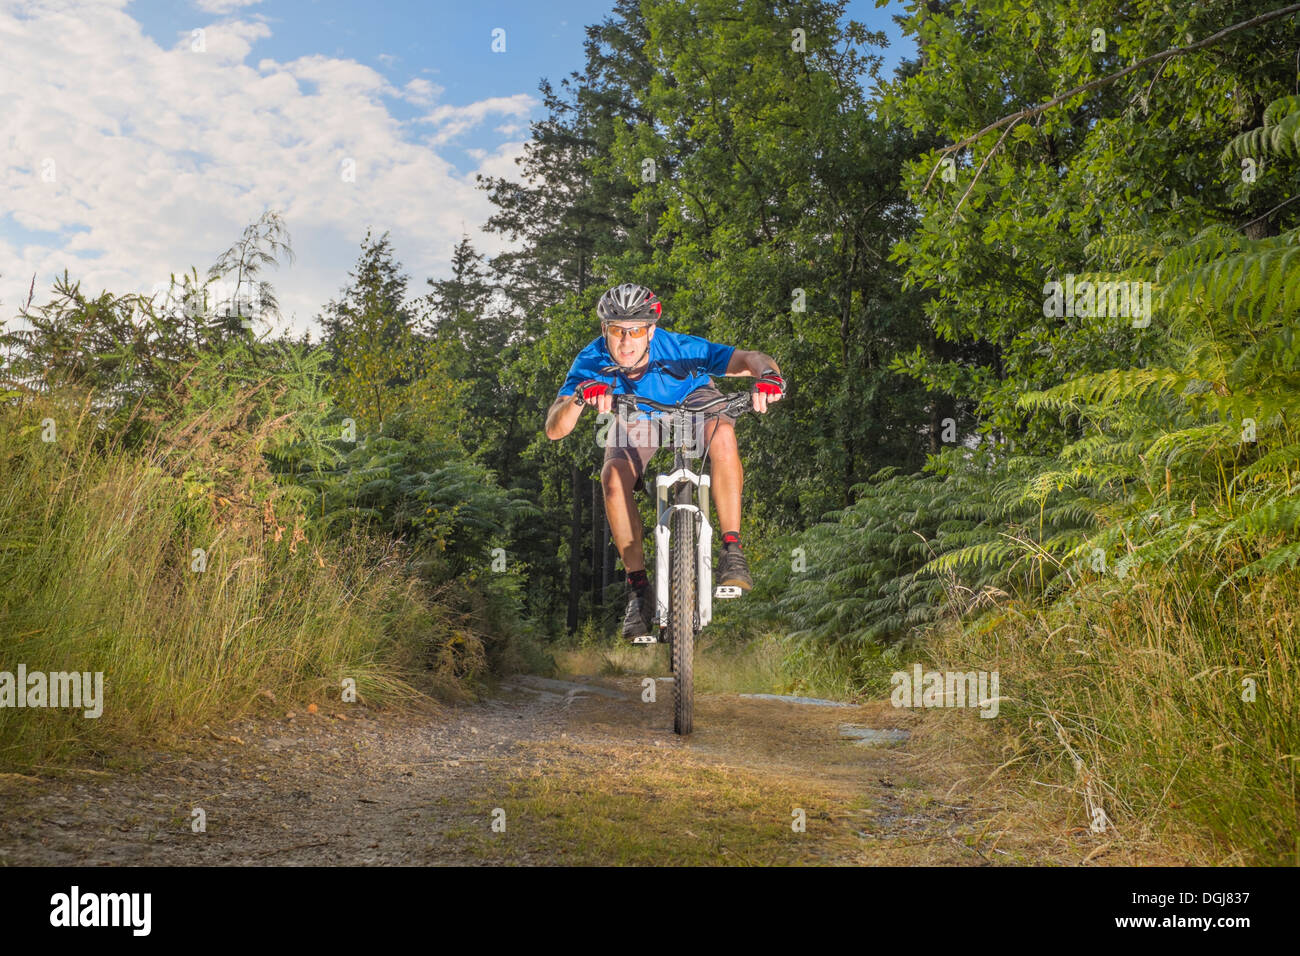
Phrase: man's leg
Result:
[617,478]
[624,465]
[728,481]
[728,477]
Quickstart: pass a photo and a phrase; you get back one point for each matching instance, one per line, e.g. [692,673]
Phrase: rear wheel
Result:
[681,617]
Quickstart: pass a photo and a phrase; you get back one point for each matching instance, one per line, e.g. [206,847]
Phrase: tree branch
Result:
[979,172]
[1286,202]
[1109,78]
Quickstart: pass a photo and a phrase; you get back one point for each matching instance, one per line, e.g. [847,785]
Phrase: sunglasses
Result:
[635,332]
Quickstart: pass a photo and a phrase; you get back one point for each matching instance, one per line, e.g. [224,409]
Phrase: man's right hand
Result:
[597,393]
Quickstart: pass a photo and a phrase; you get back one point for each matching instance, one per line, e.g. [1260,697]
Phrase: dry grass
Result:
[98,573]
[1127,709]
[721,667]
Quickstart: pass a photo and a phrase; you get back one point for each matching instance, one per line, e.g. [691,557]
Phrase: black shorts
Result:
[638,441]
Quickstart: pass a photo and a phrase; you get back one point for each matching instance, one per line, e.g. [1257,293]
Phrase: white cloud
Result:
[452,121]
[161,159]
[421,92]
[222,7]
[501,163]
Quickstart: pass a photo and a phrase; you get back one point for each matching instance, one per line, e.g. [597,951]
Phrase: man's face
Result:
[628,342]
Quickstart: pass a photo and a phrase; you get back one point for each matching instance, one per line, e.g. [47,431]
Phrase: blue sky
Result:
[179,141]
[448,44]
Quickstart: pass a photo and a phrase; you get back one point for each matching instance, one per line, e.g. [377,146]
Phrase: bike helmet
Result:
[629,301]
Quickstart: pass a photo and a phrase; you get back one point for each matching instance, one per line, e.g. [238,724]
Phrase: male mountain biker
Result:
[667,367]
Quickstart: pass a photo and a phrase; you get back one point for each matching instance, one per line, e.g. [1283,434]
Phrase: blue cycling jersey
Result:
[678,365]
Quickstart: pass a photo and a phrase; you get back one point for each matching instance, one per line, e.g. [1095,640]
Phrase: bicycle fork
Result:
[705,591]
[663,542]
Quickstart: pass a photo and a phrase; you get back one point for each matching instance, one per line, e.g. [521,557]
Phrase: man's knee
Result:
[618,476]
[723,444]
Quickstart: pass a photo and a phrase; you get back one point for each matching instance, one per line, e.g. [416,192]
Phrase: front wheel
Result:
[681,618]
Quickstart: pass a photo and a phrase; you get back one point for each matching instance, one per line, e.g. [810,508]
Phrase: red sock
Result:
[731,537]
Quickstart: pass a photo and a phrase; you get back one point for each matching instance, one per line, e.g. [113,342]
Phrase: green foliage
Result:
[1137,156]
[473,334]
[750,185]
[381,365]
[1131,480]
[123,347]
[1141,453]
[779,194]
[1278,134]
[915,548]
[428,494]
[1189,449]
[366,548]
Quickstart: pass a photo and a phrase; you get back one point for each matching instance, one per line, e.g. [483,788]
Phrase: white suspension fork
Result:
[663,543]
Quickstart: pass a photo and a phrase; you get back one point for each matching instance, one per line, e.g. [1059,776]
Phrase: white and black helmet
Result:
[629,301]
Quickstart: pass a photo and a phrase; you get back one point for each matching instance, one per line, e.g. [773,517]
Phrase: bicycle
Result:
[684,589]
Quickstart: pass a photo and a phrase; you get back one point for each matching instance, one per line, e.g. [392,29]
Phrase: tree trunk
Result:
[850,375]
[942,406]
[607,558]
[504,475]
[597,543]
[575,549]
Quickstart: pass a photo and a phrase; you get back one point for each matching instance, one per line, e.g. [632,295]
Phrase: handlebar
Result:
[733,405]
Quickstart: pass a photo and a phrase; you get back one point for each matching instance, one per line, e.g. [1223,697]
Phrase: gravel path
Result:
[383,787]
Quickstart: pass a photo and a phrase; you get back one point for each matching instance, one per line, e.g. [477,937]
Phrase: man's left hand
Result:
[770,387]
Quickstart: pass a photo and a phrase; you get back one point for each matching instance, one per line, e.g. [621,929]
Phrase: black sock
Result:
[731,537]
[637,579]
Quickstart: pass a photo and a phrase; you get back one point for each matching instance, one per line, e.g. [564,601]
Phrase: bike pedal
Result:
[728,591]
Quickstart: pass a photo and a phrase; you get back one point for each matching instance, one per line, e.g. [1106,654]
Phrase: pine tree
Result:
[566,209]
[380,365]
[474,334]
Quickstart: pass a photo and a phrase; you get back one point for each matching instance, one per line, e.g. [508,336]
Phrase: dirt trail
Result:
[584,773]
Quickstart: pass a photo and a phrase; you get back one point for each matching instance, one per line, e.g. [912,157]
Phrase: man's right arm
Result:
[562,417]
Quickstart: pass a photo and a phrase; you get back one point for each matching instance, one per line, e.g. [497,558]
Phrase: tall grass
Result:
[97,573]
[1135,695]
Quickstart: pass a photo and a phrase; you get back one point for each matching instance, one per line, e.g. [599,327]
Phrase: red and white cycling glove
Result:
[589,390]
[769,383]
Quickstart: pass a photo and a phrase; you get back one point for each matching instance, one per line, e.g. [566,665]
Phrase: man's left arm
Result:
[755,364]
[751,363]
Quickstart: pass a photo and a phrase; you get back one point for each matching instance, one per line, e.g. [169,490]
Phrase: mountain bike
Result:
[683,572]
